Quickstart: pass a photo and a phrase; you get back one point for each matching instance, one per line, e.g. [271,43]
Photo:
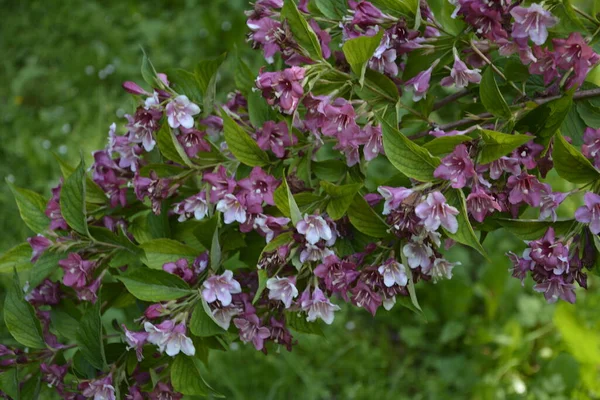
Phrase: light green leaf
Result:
[445,144]
[303,33]
[583,342]
[186,83]
[332,9]
[20,318]
[16,258]
[409,158]
[243,147]
[202,324]
[340,198]
[497,144]
[533,229]
[170,147]
[378,90]
[491,97]
[161,251]
[9,383]
[543,121]
[148,72]
[32,208]
[186,378]
[571,164]
[365,219]
[72,200]
[243,76]
[215,250]
[206,74]
[44,266]
[589,113]
[465,233]
[329,170]
[89,337]
[358,52]
[155,285]
[258,109]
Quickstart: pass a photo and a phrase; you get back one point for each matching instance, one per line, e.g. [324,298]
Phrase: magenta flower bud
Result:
[181,269]
[134,88]
[154,311]
[419,84]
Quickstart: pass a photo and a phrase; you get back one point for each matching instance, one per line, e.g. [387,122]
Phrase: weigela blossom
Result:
[251,330]
[170,338]
[590,212]
[180,268]
[393,197]
[220,287]
[276,137]
[318,306]
[136,341]
[233,209]
[194,206]
[460,74]
[180,112]
[419,84]
[314,228]
[532,22]
[393,273]
[77,270]
[283,289]
[434,211]
[99,389]
[456,167]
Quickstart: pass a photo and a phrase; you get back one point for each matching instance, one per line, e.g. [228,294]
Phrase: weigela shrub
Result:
[378,135]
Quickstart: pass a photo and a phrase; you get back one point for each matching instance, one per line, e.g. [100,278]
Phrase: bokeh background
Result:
[483,336]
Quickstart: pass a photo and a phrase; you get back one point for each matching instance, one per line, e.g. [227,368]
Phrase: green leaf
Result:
[72,200]
[93,193]
[20,318]
[298,322]
[329,170]
[582,342]
[589,113]
[204,231]
[161,251]
[406,7]
[186,378]
[358,52]
[465,233]
[544,121]
[409,158]
[9,383]
[365,219]
[303,33]
[445,144]
[243,147]
[443,9]
[89,337]
[262,284]
[17,258]
[186,83]
[64,324]
[378,90]
[340,198]
[44,266]
[243,76]
[332,9]
[170,147]
[206,74]
[497,144]
[215,250]
[258,109]
[533,229]
[286,203]
[571,164]
[32,207]
[491,97]
[573,126]
[278,241]
[202,323]
[154,285]
[148,72]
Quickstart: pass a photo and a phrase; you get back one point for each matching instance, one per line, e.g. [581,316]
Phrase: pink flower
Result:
[99,389]
[441,269]
[393,197]
[550,202]
[480,203]
[554,288]
[180,112]
[419,84]
[275,136]
[575,52]
[504,164]
[251,331]
[318,306]
[364,296]
[340,117]
[373,141]
[590,212]
[532,22]
[141,127]
[527,154]
[337,274]
[525,188]
[259,186]
[194,206]
[282,89]
[456,167]
[221,183]
[154,311]
[265,33]
[38,244]
[314,228]
[435,212]
[269,225]
[393,273]
[135,340]
[591,144]
[77,270]
[170,338]
[312,252]
[232,208]
[220,287]
[163,391]
[47,293]
[460,74]
[181,269]
[192,141]
[418,253]
[283,289]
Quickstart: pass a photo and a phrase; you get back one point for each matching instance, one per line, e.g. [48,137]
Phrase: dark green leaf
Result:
[497,144]
[44,266]
[89,337]
[491,97]
[161,251]
[186,378]
[533,229]
[299,323]
[378,90]
[303,33]
[589,113]
[202,324]
[243,147]
[465,233]
[170,147]
[340,198]
[184,82]
[332,9]
[148,71]
[16,258]
[155,285]
[445,144]
[544,121]
[365,219]
[31,207]
[9,383]
[262,284]
[215,250]
[571,164]
[243,76]
[573,126]
[329,170]
[72,200]
[20,318]
[206,74]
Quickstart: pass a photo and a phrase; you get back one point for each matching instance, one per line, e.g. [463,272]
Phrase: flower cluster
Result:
[333,179]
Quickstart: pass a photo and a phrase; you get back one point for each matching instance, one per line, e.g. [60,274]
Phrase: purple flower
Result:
[418,253]
[312,252]
[480,204]
[441,269]
[53,210]
[276,137]
[164,391]
[77,270]
[221,183]
[47,293]
[393,197]
[554,288]
[259,186]
[590,212]
[591,144]
[180,112]
[550,253]
[170,338]
[314,228]
[135,340]
[134,88]
[504,164]
[180,268]
[264,34]
[435,212]
[393,273]
[155,311]
[337,274]
[269,226]
[525,188]
[195,206]
[373,141]
[324,38]
[89,292]
[54,374]
[364,296]
[252,331]
[155,188]
[38,244]
[384,58]
[460,74]
[419,84]
[220,287]
[192,141]
[141,127]
[340,117]
[521,265]
[532,22]
[575,53]
[283,289]
[550,202]
[527,154]
[282,89]
[366,14]
[233,209]
[545,64]
[456,167]
[99,389]
[200,263]
[318,306]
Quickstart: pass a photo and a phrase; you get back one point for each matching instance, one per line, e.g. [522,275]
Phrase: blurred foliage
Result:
[482,335]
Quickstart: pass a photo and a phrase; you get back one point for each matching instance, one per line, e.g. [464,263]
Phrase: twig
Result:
[450,99]
[583,94]
[488,62]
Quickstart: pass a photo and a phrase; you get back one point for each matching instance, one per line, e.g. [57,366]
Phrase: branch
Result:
[583,94]
[450,99]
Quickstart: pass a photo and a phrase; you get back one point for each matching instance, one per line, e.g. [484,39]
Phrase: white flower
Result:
[283,289]
[170,338]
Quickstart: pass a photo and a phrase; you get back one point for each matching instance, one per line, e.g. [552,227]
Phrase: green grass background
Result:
[483,335]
